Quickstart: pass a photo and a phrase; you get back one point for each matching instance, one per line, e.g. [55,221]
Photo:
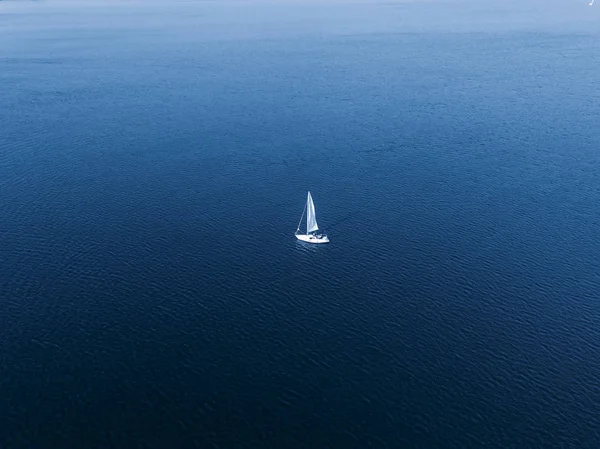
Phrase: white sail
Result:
[311,216]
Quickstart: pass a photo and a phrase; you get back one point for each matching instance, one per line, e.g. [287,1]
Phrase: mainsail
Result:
[311,216]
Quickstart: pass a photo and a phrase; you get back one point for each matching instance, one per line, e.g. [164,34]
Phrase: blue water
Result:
[154,162]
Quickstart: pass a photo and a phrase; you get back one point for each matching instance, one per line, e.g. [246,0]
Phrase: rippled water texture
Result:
[154,163]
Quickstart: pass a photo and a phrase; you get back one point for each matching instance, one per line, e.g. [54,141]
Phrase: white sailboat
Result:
[312,229]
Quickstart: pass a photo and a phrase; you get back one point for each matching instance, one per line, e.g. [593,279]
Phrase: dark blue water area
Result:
[154,163]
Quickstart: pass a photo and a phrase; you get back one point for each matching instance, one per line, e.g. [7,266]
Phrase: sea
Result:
[155,159]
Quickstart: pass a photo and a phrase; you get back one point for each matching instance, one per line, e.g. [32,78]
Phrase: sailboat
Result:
[312,235]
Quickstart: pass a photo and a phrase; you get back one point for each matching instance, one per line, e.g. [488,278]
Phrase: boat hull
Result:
[312,238]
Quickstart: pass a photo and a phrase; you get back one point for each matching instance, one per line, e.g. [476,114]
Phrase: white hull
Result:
[312,238]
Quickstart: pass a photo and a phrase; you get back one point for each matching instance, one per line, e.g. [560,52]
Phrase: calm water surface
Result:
[154,162]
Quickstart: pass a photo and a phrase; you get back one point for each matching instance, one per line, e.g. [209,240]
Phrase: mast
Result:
[301,217]
[308,198]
